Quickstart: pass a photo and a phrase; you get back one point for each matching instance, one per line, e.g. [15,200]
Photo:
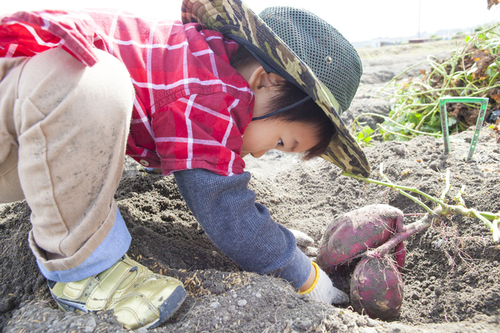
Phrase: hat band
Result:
[303,100]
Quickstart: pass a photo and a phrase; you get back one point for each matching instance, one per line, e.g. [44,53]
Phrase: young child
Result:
[79,90]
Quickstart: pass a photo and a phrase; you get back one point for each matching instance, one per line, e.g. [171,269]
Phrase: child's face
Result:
[263,135]
[291,137]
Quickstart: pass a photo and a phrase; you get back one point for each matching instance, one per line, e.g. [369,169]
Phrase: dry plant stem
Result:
[406,194]
[400,188]
[495,226]
[458,198]
[393,133]
[442,208]
[400,74]
[355,121]
[424,223]
[447,187]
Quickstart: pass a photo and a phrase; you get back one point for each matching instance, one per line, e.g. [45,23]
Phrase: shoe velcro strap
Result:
[105,289]
[73,290]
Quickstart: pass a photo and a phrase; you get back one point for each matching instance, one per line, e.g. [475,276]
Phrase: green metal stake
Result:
[479,123]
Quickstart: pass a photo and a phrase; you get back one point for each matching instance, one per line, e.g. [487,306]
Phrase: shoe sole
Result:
[170,306]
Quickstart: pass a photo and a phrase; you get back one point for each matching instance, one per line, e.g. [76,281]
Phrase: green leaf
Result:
[365,134]
[452,121]
[435,121]
[413,121]
[430,129]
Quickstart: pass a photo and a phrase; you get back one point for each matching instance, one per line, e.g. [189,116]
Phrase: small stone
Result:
[361,321]
[369,330]
[231,309]
[370,322]
[438,243]
[480,318]
[305,325]
[399,150]
[242,302]
[219,288]
[398,329]
[258,295]
[90,325]
[215,305]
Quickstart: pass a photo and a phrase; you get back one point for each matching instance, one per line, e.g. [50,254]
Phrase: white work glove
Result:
[304,243]
[323,290]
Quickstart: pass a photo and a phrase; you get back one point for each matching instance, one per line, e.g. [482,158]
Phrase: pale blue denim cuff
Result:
[114,246]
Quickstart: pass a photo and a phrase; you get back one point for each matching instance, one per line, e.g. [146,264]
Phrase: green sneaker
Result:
[138,297]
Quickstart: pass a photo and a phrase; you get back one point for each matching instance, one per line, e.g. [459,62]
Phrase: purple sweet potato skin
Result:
[377,288]
[353,233]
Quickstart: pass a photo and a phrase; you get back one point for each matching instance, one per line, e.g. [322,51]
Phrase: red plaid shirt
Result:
[191,107]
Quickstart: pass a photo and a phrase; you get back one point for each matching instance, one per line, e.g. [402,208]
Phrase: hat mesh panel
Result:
[329,55]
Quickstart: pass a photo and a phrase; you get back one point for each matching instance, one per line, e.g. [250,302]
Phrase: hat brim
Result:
[235,19]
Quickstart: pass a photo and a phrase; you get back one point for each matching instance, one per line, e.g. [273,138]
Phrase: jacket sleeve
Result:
[241,228]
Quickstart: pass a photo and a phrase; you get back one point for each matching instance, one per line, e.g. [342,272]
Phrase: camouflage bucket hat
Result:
[303,49]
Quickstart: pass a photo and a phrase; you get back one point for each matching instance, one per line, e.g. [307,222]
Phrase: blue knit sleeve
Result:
[241,228]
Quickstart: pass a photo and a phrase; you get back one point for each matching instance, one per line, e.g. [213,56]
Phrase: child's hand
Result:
[304,243]
[323,290]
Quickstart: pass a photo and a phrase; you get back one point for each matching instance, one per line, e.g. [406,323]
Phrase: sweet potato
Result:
[351,234]
[377,288]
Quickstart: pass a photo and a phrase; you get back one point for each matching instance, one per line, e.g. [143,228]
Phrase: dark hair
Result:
[308,112]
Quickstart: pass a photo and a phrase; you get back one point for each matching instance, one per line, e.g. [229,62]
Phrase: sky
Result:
[357,20]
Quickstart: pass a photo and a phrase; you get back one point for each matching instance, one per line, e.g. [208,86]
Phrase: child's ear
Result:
[261,79]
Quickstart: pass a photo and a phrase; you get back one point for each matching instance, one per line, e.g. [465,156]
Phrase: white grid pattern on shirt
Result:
[191,141]
[226,135]
[113,44]
[190,132]
[144,118]
[185,81]
[112,30]
[11,50]
[148,66]
[230,123]
[188,81]
[187,140]
[34,34]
